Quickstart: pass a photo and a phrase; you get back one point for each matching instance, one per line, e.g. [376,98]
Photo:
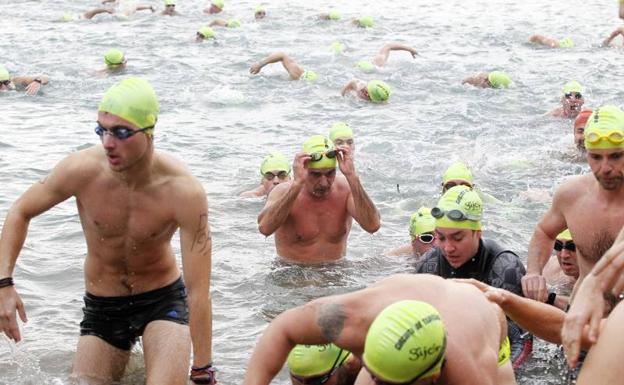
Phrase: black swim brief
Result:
[120,320]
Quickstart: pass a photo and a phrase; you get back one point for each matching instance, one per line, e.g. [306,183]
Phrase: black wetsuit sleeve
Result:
[506,273]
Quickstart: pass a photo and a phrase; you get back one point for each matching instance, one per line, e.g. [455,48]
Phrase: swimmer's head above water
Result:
[316,364]
[115,59]
[259,12]
[378,91]
[216,6]
[498,79]
[321,167]
[604,141]
[5,79]
[204,33]
[457,174]
[275,169]
[572,98]
[579,129]
[342,135]
[421,228]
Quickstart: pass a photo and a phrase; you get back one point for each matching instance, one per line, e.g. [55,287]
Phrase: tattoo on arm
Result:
[331,320]
[202,237]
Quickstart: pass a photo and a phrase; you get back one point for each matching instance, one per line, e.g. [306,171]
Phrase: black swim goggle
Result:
[316,156]
[323,378]
[455,214]
[569,245]
[119,132]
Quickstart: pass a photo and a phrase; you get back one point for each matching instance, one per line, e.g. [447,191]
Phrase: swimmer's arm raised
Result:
[477,80]
[350,86]
[294,70]
[614,34]
[278,206]
[382,57]
[196,247]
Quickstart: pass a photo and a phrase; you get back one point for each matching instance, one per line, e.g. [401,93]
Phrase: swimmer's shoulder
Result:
[170,170]
[574,187]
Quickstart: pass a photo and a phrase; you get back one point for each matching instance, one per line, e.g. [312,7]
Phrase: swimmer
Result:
[88,15]
[216,6]
[229,23]
[614,34]
[204,33]
[550,42]
[363,22]
[259,12]
[461,252]
[421,229]
[579,129]
[331,15]
[170,8]
[374,91]
[115,61]
[571,101]
[132,199]
[457,174]
[405,329]
[275,169]
[342,135]
[322,364]
[295,71]
[493,79]
[312,215]
[381,58]
[30,83]
[561,271]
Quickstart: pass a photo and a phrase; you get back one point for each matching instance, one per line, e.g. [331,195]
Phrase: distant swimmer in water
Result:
[170,8]
[363,22]
[550,42]
[493,79]
[260,12]
[382,56]
[115,61]
[571,101]
[375,91]
[274,169]
[325,364]
[30,83]
[421,230]
[579,129]
[295,71]
[619,31]
[122,10]
[458,174]
[561,271]
[331,15]
[229,23]
[132,200]
[342,135]
[405,329]
[312,215]
[216,6]
[204,33]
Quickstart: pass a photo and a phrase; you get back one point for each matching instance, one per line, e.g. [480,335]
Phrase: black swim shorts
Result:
[120,320]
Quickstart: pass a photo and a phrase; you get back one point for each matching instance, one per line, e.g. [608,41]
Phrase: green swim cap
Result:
[572,86]
[114,58]
[340,130]
[319,144]
[566,43]
[605,128]
[233,23]
[365,66]
[499,79]
[365,21]
[466,201]
[421,222]
[378,91]
[67,17]
[170,2]
[565,235]
[206,32]
[4,74]
[259,9]
[309,76]
[405,342]
[315,360]
[457,171]
[274,161]
[132,99]
[334,15]
[218,3]
[337,47]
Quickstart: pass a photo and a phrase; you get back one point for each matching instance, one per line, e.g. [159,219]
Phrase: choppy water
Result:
[221,122]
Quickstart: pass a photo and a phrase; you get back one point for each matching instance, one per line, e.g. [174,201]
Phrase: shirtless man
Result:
[31,84]
[417,314]
[571,101]
[311,216]
[128,199]
[590,206]
[275,169]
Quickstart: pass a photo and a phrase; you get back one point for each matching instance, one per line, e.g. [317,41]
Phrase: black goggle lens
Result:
[569,245]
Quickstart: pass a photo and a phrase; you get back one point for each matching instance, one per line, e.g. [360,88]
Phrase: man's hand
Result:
[345,161]
[33,88]
[255,68]
[300,169]
[10,302]
[534,287]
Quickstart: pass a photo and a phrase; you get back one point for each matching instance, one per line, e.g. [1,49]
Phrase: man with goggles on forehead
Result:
[312,215]
[405,329]
[571,101]
[275,169]
[421,227]
[131,200]
[31,84]
[322,364]
[461,252]
[561,271]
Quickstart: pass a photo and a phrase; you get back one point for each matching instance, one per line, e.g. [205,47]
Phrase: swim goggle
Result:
[455,215]
[615,136]
[5,83]
[426,237]
[119,132]
[169,5]
[575,95]
[323,378]
[569,245]
[281,175]
[316,156]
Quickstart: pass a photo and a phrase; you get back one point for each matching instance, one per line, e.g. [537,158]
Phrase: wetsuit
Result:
[495,266]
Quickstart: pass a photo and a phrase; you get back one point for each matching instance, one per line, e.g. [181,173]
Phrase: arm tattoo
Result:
[201,236]
[331,320]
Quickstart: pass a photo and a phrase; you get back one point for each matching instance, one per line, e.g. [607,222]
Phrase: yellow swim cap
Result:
[457,171]
[572,86]
[169,2]
[340,130]
[334,15]
[4,74]
[365,21]
[459,208]
[378,91]
[218,3]
[565,235]
[566,43]
[365,66]
[114,58]
[499,79]
[132,99]
[233,23]
[259,8]
[275,161]
[320,147]
[421,222]
[206,32]
[605,128]
[314,360]
[405,342]
[309,76]
[337,47]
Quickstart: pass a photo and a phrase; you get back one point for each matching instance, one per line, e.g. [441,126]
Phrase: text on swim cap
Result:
[418,325]
[424,352]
